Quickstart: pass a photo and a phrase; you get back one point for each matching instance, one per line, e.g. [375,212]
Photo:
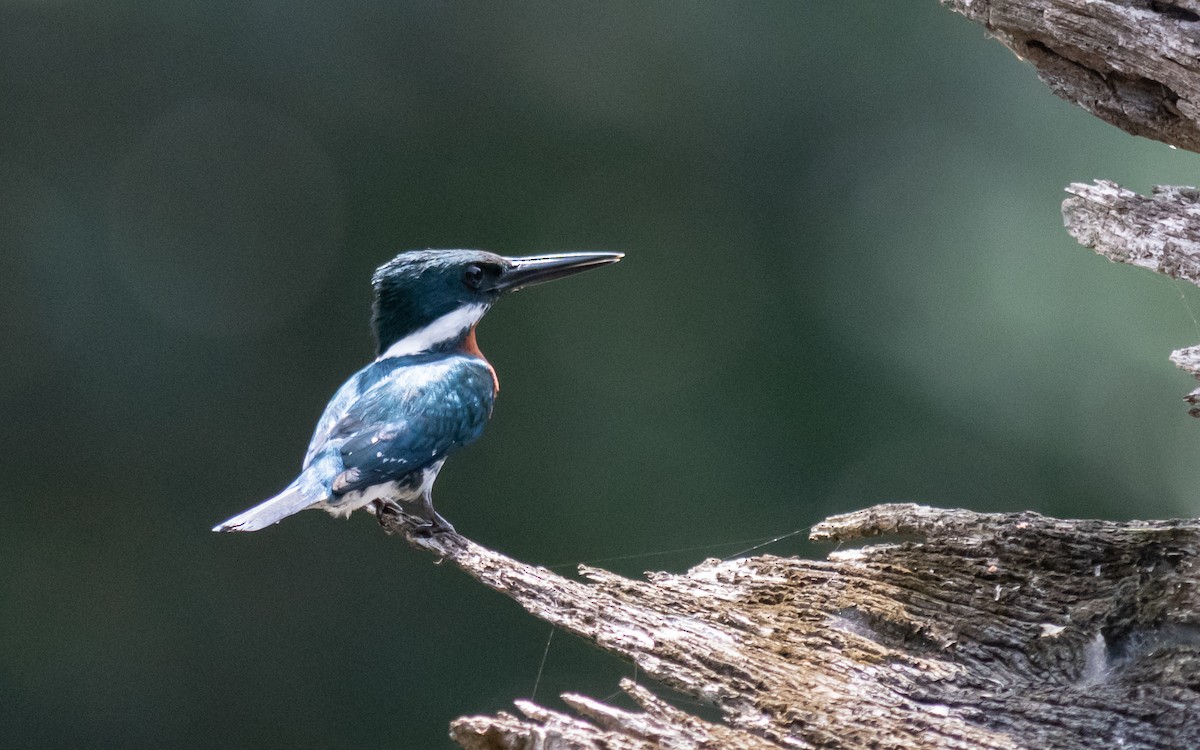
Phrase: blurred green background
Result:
[847,282]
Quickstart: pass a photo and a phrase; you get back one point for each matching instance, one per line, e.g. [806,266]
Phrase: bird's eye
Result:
[473,277]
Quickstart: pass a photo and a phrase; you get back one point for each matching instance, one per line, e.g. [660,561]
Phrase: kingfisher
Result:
[387,431]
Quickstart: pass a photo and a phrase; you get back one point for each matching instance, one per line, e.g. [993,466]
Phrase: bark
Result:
[979,631]
[1160,232]
[1132,63]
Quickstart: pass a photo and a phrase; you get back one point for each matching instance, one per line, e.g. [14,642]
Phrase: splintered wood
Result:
[970,631]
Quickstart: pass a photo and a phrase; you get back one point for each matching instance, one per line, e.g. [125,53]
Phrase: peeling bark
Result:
[982,631]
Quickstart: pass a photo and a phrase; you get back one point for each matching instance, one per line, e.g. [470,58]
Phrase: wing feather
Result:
[408,418]
[333,419]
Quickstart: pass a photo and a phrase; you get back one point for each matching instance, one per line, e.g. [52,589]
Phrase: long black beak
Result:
[523,272]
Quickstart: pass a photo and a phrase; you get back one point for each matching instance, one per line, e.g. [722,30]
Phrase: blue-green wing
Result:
[408,418]
[335,412]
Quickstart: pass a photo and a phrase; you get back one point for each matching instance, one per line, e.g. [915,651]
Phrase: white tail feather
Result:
[271,511]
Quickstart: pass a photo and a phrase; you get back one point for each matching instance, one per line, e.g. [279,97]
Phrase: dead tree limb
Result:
[1160,232]
[983,631]
[1132,63]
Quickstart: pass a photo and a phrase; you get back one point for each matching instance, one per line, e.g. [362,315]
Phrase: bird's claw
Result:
[436,525]
[389,513]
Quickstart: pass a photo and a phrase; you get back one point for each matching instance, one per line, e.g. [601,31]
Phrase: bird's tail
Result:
[292,500]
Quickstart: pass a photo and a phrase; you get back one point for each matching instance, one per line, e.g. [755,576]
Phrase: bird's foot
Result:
[391,516]
[388,514]
[435,525]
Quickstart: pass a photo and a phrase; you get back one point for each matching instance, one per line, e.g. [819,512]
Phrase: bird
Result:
[388,430]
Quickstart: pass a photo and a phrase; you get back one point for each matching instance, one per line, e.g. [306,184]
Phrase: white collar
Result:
[446,328]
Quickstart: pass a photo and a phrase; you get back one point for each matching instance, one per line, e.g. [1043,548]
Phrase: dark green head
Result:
[427,299]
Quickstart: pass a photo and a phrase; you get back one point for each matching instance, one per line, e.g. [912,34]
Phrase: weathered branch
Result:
[605,727]
[987,631]
[1132,63]
[1160,232]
